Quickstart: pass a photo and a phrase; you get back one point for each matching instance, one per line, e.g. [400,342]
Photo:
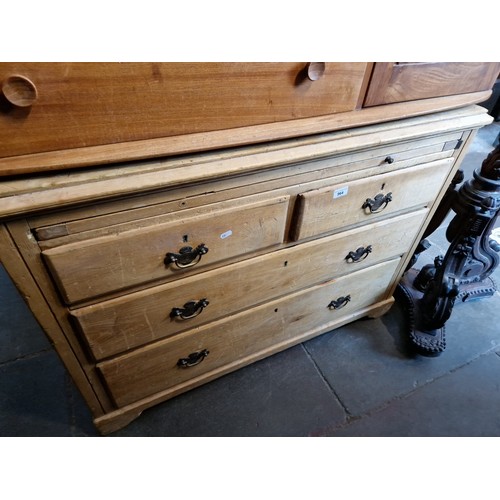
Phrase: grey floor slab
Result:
[283,395]
[368,364]
[81,421]
[20,334]
[463,403]
[34,397]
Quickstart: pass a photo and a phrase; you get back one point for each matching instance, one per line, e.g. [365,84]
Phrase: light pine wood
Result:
[118,261]
[114,420]
[117,325]
[363,163]
[80,224]
[406,81]
[111,154]
[154,368]
[405,155]
[327,209]
[261,300]
[458,157]
[98,220]
[21,196]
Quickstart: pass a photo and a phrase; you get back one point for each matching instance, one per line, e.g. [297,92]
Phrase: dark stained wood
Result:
[398,82]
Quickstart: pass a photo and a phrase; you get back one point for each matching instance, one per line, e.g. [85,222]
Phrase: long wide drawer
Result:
[55,106]
[83,270]
[204,350]
[364,200]
[120,324]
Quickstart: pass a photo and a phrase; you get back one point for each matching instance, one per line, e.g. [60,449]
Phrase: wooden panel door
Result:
[408,81]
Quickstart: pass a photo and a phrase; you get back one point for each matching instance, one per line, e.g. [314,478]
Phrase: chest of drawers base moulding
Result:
[110,206]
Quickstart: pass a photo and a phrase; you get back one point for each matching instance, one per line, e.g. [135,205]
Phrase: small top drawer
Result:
[87,269]
[364,200]
[55,106]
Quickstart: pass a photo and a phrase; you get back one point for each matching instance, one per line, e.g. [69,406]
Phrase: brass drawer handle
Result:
[187,256]
[190,310]
[19,91]
[377,204]
[195,358]
[359,254]
[339,303]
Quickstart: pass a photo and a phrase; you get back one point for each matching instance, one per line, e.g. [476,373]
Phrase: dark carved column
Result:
[463,273]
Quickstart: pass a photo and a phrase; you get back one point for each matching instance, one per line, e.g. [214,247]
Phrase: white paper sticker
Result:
[225,235]
[338,193]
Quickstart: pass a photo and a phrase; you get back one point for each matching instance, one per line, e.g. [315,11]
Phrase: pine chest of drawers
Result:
[159,275]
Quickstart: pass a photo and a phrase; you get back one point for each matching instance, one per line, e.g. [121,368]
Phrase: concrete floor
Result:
[356,381]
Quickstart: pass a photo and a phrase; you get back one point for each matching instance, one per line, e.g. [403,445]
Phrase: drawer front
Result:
[55,106]
[130,321]
[382,159]
[166,364]
[87,269]
[365,200]
[407,81]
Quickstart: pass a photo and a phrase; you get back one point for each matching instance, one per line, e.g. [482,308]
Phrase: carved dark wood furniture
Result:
[463,274]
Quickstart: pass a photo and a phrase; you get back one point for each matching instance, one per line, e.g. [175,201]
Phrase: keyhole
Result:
[185,238]
[383,186]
